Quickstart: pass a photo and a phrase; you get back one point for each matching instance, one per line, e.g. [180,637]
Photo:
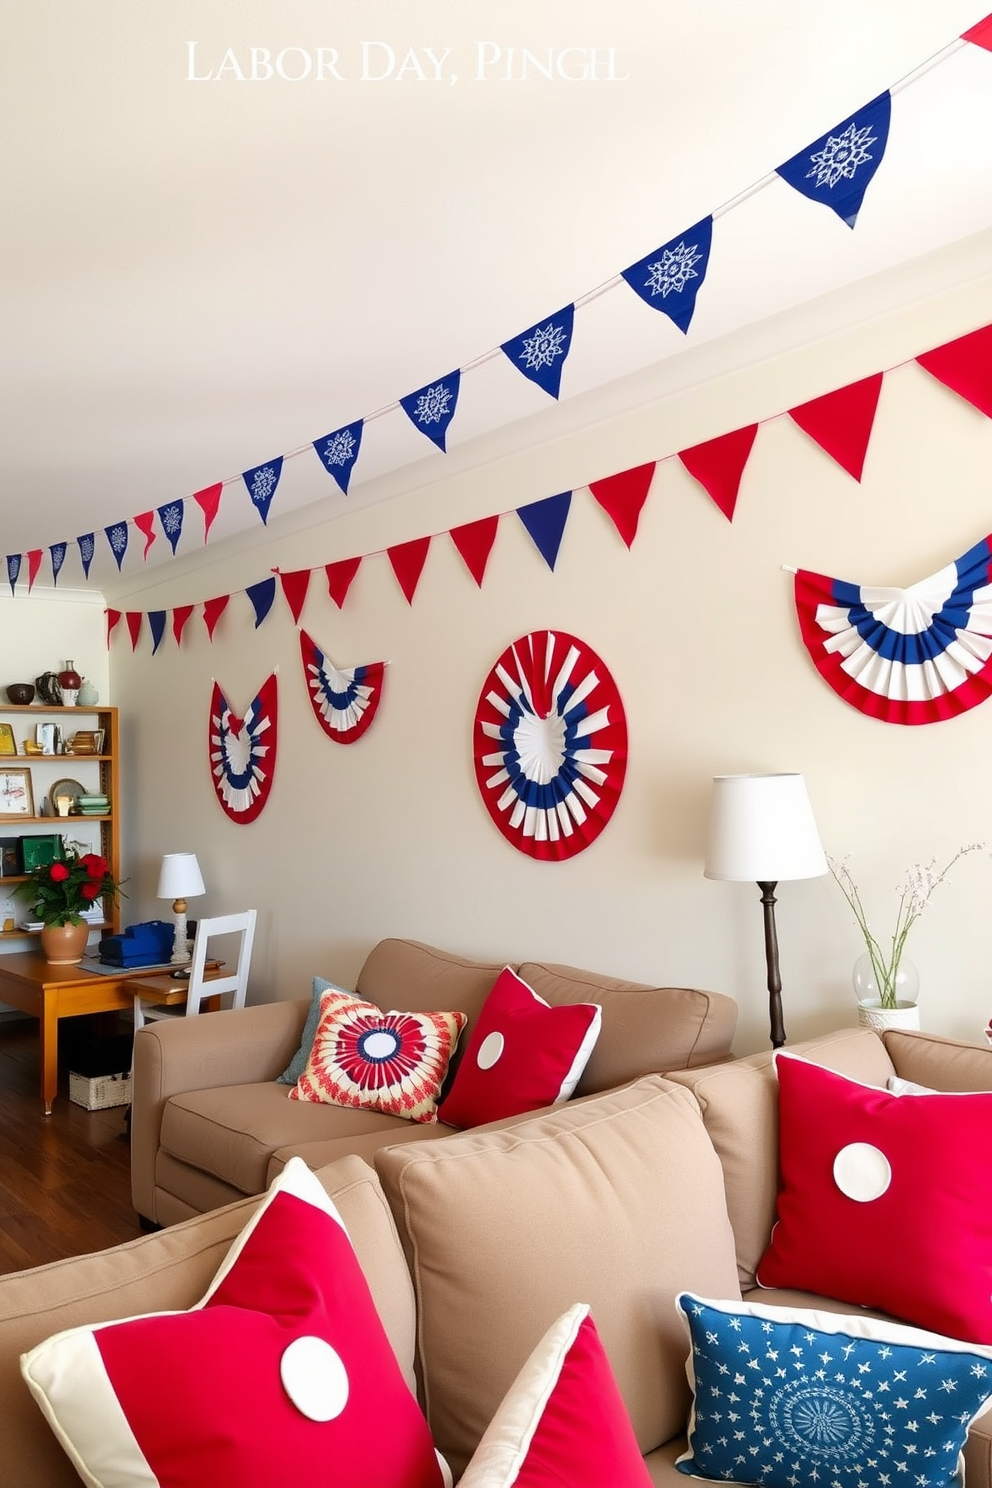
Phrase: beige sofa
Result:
[474,1244]
[211,1125]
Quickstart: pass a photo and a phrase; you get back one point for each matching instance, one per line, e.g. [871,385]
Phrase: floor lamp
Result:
[762,831]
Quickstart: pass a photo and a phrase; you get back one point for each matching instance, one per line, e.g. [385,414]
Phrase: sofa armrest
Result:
[241,1046]
[942,1063]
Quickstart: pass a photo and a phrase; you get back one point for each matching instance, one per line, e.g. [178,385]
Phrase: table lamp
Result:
[179,880]
[762,831]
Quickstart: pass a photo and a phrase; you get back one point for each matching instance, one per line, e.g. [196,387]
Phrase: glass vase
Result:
[900,1012]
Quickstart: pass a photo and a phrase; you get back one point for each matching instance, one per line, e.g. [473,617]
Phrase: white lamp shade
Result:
[180,877]
[762,830]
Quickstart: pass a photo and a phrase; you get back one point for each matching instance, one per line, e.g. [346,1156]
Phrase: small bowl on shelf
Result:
[20,694]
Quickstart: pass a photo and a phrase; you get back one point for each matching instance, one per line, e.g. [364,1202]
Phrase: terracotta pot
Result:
[63,945]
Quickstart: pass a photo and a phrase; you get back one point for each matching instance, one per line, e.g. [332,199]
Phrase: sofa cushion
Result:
[884,1199]
[291,1362]
[522,1054]
[563,1420]
[298,1063]
[646,1030]
[613,1202]
[943,1063]
[788,1395]
[378,1060]
[739,1102]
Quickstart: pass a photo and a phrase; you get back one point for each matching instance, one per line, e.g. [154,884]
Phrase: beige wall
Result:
[697,624]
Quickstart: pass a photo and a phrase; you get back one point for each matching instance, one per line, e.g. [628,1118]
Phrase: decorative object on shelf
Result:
[180,879]
[11,863]
[39,852]
[885,983]
[65,788]
[85,741]
[58,893]
[49,690]
[20,694]
[344,702]
[45,734]
[762,831]
[88,696]
[550,745]
[16,795]
[243,751]
[8,744]
[69,684]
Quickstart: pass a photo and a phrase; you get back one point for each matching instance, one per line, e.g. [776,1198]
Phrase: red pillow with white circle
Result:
[393,1062]
[884,1200]
[563,1420]
[283,1364]
[521,1055]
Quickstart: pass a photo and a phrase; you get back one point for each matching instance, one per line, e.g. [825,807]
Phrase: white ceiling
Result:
[200,275]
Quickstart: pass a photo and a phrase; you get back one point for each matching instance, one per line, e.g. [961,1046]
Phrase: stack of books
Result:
[93,805]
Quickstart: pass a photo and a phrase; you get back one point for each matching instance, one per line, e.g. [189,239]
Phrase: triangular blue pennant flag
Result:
[540,352]
[431,409]
[117,538]
[156,624]
[261,596]
[58,552]
[261,482]
[171,517]
[545,521]
[87,547]
[670,278]
[837,168]
[339,451]
[13,568]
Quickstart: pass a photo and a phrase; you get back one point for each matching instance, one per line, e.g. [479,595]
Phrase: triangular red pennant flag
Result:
[212,611]
[622,496]
[209,500]
[718,464]
[841,421]
[408,561]
[475,542]
[339,577]
[146,524]
[113,616]
[179,617]
[134,619]
[965,366]
[980,34]
[295,586]
[34,557]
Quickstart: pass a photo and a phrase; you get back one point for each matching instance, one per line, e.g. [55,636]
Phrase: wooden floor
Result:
[65,1178]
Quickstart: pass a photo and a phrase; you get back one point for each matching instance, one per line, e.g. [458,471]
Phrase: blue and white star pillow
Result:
[787,1398]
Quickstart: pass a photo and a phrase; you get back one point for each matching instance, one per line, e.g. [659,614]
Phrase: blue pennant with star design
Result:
[87,547]
[540,352]
[339,451]
[117,536]
[261,482]
[58,552]
[431,409]
[13,569]
[171,517]
[670,278]
[837,169]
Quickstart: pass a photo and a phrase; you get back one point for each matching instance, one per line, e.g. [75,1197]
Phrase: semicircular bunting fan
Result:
[243,751]
[916,655]
[344,701]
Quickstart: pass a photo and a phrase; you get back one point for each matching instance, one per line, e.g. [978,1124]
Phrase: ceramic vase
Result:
[69,683]
[871,1013]
[63,945]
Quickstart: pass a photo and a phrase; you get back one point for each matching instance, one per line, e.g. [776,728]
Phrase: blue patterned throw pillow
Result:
[298,1063]
[793,1399]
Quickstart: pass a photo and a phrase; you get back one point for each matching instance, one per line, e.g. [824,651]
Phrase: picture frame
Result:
[8,744]
[44,734]
[16,793]
[39,852]
[11,864]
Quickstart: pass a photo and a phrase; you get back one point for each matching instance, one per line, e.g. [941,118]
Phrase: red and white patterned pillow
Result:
[283,1364]
[884,1200]
[562,1421]
[394,1062]
[521,1055]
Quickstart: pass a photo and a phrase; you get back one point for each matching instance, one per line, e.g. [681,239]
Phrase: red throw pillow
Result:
[522,1054]
[563,1420]
[885,1200]
[282,1368]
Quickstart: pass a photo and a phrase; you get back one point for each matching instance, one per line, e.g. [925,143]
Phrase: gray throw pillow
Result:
[298,1063]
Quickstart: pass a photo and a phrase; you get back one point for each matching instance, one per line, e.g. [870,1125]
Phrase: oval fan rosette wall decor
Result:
[243,752]
[550,743]
[344,701]
[916,655]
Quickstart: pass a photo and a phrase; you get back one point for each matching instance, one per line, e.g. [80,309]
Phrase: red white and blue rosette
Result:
[344,701]
[916,655]
[243,751]
[550,744]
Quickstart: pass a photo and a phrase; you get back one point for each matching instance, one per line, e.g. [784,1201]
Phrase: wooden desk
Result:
[32,985]
[164,990]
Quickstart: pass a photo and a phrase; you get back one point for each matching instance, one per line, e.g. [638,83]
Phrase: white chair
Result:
[198,987]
